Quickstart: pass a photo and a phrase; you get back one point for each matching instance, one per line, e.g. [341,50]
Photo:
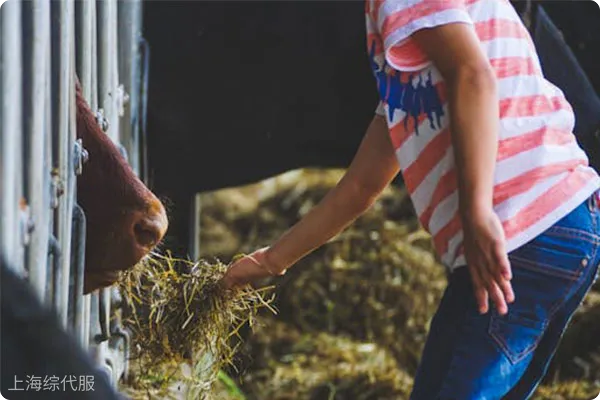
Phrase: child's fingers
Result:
[480,292]
[497,297]
[501,262]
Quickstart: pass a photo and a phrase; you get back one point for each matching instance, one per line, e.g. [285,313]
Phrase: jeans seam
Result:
[514,357]
[596,211]
[563,299]
[570,233]
[547,269]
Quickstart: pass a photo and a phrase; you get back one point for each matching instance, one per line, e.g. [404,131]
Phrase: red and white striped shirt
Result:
[541,172]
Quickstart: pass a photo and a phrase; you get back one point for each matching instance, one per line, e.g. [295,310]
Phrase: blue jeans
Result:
[488,357]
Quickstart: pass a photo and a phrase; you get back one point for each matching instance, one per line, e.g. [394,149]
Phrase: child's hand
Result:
[487,260]
[248,269]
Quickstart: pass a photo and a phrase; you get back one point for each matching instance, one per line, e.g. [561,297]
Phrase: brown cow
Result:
[125,220]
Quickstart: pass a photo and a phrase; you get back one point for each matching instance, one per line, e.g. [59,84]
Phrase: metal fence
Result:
[43,44]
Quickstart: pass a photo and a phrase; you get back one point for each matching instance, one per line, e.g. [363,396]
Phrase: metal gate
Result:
[43,44]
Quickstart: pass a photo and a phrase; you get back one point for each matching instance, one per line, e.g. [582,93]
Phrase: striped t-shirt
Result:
[541,172]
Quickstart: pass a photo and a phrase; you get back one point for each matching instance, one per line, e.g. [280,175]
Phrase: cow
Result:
[124,219]
[241,91]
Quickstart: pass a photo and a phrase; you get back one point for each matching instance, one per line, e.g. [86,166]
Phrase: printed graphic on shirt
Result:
[411,92]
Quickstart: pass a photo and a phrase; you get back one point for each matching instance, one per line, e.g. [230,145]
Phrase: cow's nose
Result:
[150,228]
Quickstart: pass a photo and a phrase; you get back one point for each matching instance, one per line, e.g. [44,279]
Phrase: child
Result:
[486,150]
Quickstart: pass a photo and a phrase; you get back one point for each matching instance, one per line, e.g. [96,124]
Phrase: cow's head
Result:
[124,220]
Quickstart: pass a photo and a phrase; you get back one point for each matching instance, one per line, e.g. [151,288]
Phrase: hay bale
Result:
[179,310]
[289,364]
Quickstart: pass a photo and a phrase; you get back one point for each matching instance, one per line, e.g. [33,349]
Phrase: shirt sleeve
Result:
[397,20]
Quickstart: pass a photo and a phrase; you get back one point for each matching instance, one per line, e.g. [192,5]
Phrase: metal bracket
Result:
[101,119]
[55,251]
[103,311]
[123,152]
[57,188]
[119,332]
[81,156]
[78,261]
[122,99]
[26,222]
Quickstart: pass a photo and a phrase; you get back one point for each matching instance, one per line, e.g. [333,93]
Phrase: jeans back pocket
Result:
[516,333]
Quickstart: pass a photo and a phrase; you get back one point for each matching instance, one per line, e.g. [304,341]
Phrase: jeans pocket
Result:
[516,333]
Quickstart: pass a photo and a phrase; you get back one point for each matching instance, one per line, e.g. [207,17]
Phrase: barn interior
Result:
[240,117]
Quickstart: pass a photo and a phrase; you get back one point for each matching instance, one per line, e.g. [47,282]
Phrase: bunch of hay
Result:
[179,313]
[289,364]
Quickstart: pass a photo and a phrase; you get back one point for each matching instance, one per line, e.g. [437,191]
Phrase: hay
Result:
[385,290]
[570,390]
[179,310]
[289,364]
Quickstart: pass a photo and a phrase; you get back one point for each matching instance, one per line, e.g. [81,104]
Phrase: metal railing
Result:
[43,45]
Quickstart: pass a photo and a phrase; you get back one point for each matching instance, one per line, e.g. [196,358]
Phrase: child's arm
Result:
[372,169]
[474,118]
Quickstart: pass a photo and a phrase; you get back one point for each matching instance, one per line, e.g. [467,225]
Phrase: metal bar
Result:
[76,152]
[85,57]
[98,345]
[145,49]
[55,256]
[37,167]
[49,156]
[63,12]
[94,329]
[78,261]
[110,100]
[104,314]
[90,320]
[83,24]
[93,100]
[91,308]
[86,320]
[129,31]
[11,135]
[107,74]
[119,332]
